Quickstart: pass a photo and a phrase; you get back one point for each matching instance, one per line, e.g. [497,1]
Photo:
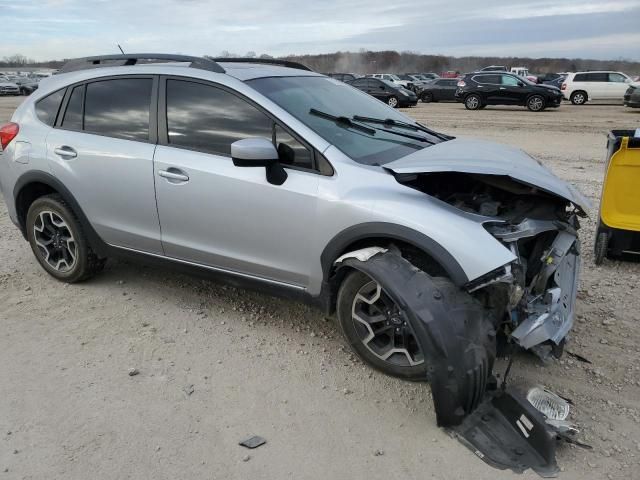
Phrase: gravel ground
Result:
[217,364]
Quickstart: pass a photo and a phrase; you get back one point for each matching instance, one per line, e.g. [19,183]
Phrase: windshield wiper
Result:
[348,122]
[397,123]
[344,121]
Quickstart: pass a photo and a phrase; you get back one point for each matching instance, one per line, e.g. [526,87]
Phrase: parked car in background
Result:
[479,89]
[390,93]
[343,77]
[439,89]
[427,75]
[390,77]
[632,96]
[557,82]
[8,88]
[494,68]
[26,84]
[581,87]
[417,83]
[450,74]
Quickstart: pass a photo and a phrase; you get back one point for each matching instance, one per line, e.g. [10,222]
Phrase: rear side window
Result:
[73,115]
[119,108]
[509,80]
[492,79]
[580,77]
[47,108]
[597,77]
[209,119]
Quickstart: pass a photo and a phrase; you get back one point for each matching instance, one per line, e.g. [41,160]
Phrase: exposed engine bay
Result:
[531,300]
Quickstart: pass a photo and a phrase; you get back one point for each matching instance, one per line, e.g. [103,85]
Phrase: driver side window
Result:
[509,80]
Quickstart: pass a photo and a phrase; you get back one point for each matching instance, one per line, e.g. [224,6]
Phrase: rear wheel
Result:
[473,102]
[375,328]
[58,242]
[536,103]
[392,102]
[579,98]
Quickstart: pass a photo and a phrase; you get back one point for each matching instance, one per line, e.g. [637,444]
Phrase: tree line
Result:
[390,61]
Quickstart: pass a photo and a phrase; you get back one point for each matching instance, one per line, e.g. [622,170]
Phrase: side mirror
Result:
[259,152]
[521,84]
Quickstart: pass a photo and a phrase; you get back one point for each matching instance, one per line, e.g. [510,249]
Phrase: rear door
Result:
[597,85]
[102,151]
[216,214]
[489,86]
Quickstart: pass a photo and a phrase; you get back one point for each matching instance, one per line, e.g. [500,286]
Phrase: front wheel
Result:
[374,327]
[58,242]
[536,103]
[392,102]
[473,102]
[427,97]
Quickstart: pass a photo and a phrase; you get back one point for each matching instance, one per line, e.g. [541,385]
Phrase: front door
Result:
[513,90]
[102,150]
[216,214]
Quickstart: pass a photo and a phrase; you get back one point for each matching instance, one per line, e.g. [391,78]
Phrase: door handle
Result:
[174,174]
[65,152]
[502,88]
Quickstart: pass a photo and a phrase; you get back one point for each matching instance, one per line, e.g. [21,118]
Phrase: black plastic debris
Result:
[253,442]
[507,432]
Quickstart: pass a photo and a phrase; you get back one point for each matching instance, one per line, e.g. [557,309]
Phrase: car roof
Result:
[240,71]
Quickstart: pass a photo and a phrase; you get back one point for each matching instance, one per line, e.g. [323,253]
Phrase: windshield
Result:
[300,95]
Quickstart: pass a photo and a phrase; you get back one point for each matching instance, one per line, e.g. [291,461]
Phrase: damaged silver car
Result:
[436,253]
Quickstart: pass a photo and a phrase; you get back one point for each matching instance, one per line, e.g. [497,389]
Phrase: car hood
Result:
[488,158]
[7,84]
[550,87]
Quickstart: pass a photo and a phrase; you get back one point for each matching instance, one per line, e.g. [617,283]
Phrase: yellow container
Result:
[619,224]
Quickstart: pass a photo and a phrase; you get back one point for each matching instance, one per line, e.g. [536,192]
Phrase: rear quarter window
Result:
[47,108]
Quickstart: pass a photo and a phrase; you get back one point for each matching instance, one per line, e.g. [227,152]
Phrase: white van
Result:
[581,87]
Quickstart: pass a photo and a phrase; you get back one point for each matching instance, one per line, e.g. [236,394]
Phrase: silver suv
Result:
[430,249]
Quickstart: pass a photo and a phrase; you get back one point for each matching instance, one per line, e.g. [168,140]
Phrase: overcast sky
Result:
[54,29]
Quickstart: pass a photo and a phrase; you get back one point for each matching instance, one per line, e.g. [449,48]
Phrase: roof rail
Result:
[133,58]
[267,61]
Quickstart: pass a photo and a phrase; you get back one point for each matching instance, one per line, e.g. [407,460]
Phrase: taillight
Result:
[7,133]
[563,86]
[461,83]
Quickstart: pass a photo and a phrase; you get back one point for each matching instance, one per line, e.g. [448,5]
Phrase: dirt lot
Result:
[218,363]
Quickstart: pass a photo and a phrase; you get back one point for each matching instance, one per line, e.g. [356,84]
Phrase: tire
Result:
[58,242]
[601,247]
[536,103]
[427,97]
[352,331]
[473,102]
[579,97]
[392,101]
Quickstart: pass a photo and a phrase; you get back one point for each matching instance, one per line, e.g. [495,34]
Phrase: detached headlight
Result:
[548,403]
